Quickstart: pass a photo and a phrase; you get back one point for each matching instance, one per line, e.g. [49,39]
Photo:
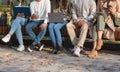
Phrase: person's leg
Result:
[93,53]
[97,36]
[83,34]
[52,36]
[71,31]
[15,24]
[18,30]
[42,32]
[51,32]
[20,38]
[23,21]
[29,29]
[57,29]
[82,37]
[100,29]
[19,35]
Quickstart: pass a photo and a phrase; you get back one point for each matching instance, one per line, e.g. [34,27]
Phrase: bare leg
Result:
[94,51]
[99,40]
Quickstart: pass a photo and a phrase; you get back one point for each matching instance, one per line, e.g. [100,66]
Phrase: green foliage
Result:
[2,6]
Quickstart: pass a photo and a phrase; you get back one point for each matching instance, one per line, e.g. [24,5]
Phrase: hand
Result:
[108,17]
[96,16]
[43,26]
[75,21]
[81,22]
[34,16]
[112,10]
[21,14]
[64,19]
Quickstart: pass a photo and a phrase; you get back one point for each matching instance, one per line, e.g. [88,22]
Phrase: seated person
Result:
[54,28]
[83,12]
[16,24]
[104,23]
[39,17]
[115,11]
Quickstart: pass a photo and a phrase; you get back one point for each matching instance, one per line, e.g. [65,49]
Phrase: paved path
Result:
[44,61]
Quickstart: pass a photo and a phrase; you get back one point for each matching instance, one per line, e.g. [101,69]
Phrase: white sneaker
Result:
[29,49]
[20,48]
[42,46]
[74,48]
[77,51]
[6,38]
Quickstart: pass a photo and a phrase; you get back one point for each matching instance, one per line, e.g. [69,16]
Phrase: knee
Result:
[68,25]
[27,27]
[17,18]
[85,26]
[42,26]
[50,27]
[19,26]
[16,21]
[56,27]
[100,17]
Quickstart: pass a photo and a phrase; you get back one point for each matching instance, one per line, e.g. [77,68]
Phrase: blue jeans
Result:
[16,27]
[54,31]
[33,24]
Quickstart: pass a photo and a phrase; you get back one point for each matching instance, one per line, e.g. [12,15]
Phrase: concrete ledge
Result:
[108,45]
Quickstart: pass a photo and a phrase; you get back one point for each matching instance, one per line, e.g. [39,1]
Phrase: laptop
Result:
[56,17]
[25,10]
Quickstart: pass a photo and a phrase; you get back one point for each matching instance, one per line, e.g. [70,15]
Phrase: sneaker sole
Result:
[20,50]
[76,55]
[4,41]
[29,50]
[41,47]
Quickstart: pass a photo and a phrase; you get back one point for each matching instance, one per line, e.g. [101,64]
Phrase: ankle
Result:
[99,39]
[8,35]
[21,45]
[79,46]
[34,43]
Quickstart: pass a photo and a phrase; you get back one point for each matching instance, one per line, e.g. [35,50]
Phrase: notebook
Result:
[55,17]
[25,10]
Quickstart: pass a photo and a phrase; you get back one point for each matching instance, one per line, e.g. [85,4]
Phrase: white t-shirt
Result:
[41,9]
